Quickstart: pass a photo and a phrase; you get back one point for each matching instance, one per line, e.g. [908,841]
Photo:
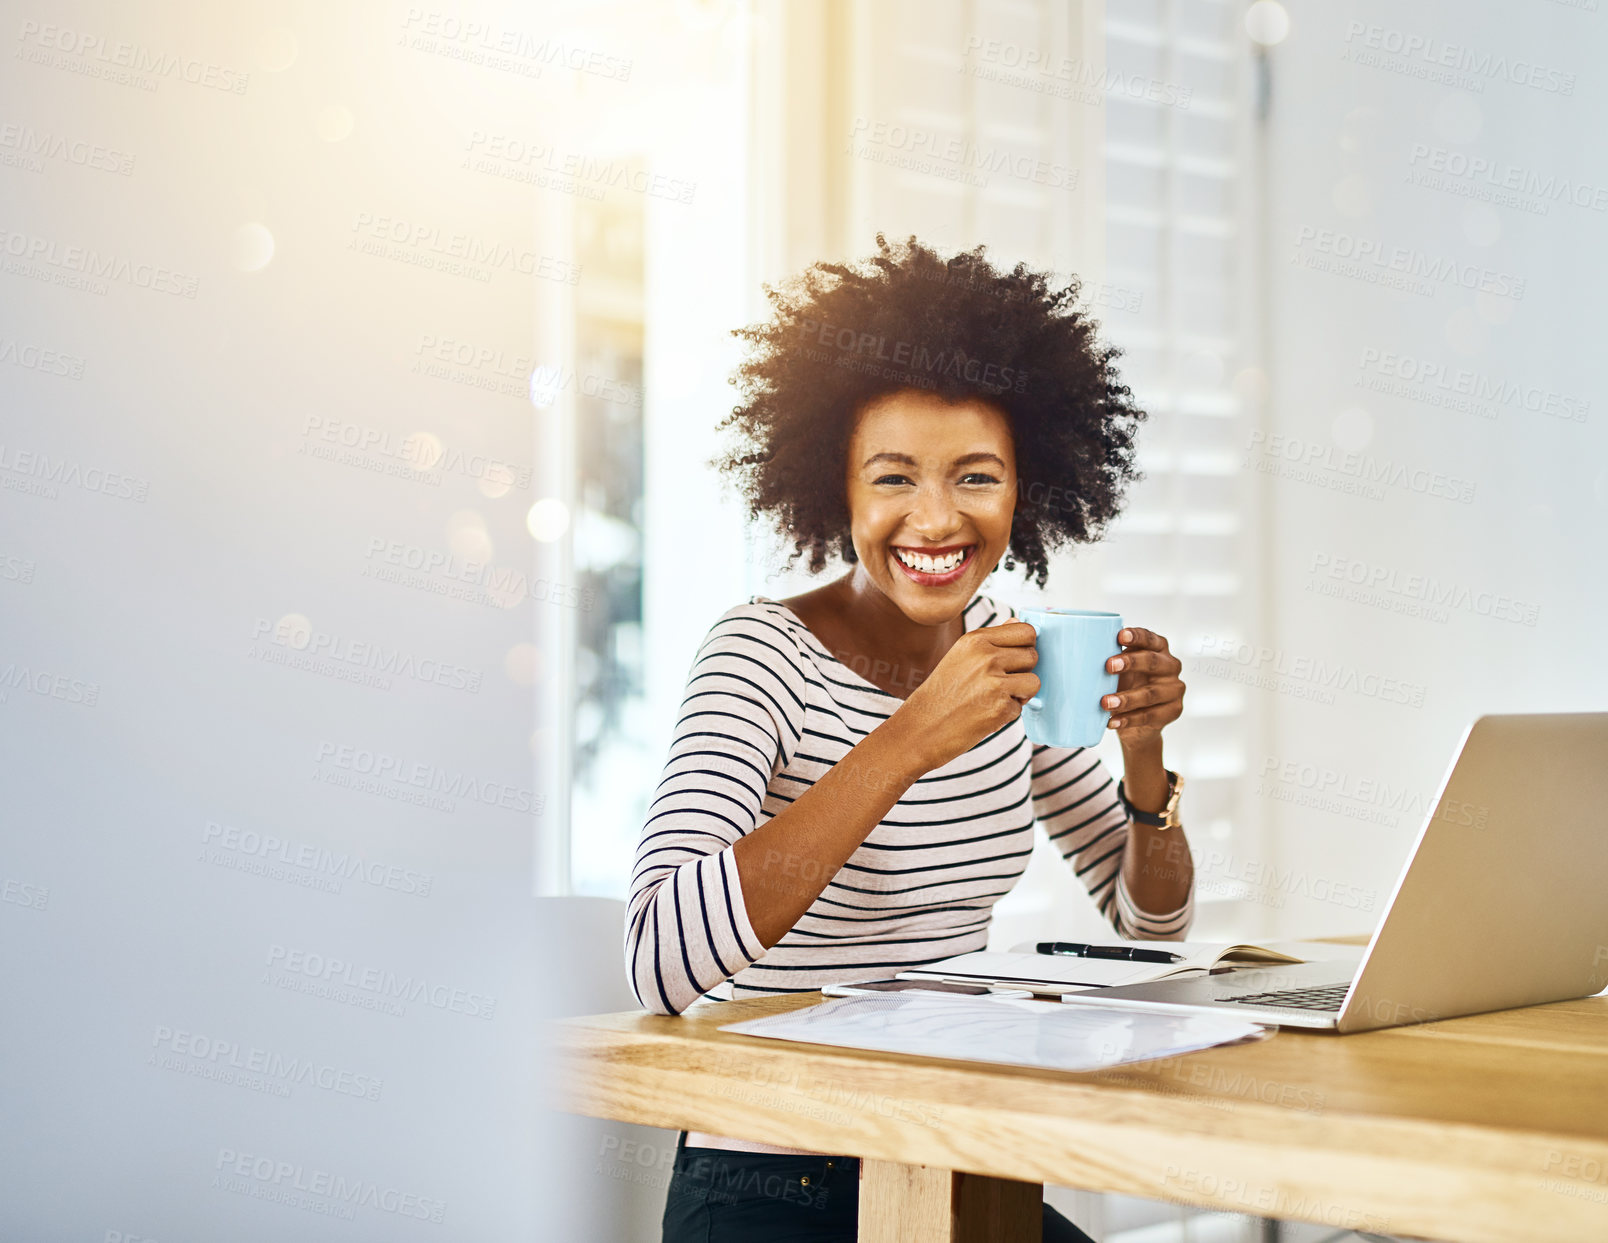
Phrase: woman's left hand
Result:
[1150,694]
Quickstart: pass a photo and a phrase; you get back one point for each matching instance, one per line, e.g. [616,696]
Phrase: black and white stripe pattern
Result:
[768,710]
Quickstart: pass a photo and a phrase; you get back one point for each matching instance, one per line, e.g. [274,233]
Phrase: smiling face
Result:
[931,491]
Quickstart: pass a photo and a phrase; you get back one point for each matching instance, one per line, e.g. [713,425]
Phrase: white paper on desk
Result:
[1054,972]
[1009,1030]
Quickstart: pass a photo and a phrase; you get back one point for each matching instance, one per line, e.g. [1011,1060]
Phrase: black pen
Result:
[1127,953]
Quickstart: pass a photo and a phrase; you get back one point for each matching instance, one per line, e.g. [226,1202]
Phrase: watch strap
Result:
[1168,816]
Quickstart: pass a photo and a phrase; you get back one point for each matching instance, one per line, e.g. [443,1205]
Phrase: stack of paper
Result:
[1041,973]
[996,1029]
[1063,973]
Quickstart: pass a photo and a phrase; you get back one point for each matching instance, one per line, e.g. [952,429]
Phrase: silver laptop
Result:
[1503,902]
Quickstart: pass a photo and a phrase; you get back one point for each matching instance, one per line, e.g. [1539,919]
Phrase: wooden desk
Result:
[1487,1129]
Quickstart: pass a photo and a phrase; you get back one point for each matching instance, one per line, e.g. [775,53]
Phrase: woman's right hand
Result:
[979,686]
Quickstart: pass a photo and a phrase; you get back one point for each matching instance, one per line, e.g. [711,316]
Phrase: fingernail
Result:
[1116,664]
[1114,723]
[1113,701]
[1125,637]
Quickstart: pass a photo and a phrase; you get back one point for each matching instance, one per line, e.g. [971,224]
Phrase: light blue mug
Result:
[1073,647]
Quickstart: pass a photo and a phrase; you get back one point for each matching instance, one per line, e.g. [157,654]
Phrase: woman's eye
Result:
[978,477]
[892,479]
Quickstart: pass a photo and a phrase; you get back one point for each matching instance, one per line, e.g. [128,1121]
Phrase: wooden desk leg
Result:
[925,1204]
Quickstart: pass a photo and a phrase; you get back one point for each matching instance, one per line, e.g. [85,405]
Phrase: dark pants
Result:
[718,1196]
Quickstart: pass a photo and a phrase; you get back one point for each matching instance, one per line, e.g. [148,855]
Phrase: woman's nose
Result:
[935,514]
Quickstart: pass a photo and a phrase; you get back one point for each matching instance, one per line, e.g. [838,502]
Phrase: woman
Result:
[850,790]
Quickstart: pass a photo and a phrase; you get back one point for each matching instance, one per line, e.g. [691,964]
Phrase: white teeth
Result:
[931,565]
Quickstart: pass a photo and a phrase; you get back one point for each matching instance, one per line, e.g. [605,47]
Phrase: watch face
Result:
[1170,812]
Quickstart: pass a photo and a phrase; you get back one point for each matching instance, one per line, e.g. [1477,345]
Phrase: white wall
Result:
[1353,127]
[155,951]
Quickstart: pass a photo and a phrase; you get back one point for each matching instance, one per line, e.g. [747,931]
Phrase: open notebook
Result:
[1059,973]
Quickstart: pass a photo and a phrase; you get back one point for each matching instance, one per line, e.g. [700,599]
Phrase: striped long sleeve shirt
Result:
[768,710]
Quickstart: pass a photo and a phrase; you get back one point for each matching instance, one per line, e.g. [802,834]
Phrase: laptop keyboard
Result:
[1330,997]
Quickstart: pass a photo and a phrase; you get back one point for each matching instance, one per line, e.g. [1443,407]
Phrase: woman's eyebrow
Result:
[901,459]
[904,459]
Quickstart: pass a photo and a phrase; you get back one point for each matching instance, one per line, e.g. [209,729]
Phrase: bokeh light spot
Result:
[253,247]
[548,519]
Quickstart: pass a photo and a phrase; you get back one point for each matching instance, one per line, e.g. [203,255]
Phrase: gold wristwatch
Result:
[1168,819]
